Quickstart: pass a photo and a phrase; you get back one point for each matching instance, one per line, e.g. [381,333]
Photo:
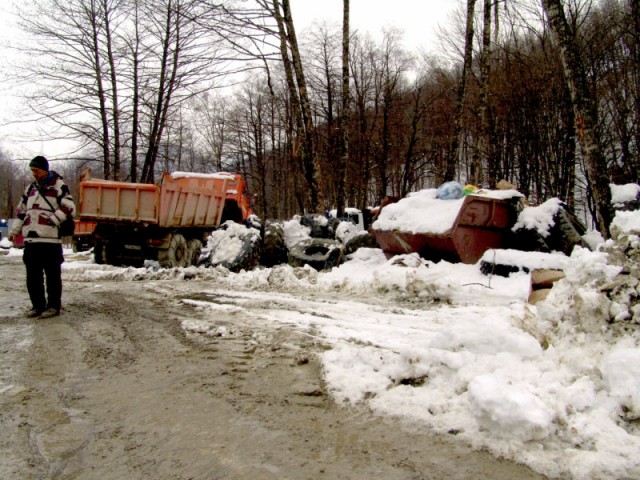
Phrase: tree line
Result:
[544,95]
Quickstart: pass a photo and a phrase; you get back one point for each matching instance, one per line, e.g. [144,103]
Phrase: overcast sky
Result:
[420,20]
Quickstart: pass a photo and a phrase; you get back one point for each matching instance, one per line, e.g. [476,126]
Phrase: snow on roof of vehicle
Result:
[423,212]
[203,175]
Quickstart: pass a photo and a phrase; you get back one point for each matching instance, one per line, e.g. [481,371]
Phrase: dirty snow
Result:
[555,386]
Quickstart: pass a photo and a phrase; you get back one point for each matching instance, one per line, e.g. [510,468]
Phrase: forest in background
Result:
[139,84]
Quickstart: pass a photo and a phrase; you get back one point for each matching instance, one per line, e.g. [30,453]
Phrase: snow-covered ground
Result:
[554,385]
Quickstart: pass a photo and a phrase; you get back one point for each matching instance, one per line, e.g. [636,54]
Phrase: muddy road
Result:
[115,389]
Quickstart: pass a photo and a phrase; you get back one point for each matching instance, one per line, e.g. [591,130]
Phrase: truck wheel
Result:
[176,254]
[194,250]
[274,248]
[319,253]
[99,253]
[365,240]
[103,253]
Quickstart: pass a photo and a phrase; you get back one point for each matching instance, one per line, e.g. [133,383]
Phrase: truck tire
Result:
[103,253]
[194,250]
[567,232]
[365,240]
[274,248]
[319,253]
[99,253]
[175,255]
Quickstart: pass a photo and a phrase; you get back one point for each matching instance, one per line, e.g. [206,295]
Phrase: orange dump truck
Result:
[167,222]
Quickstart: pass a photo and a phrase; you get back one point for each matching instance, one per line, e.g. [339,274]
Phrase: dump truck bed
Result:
[186,201]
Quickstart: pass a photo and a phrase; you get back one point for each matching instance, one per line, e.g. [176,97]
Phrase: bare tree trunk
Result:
[135,51]
[632,169]
[147,175]
[311,161]
[114,91]
[297,149]
[585,111]
[166,86]
[485,159]
[450,172]
[344,117]
[102,97]
[408,169]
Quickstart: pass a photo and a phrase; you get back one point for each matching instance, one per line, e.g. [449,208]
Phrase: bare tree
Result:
[343,158]
[310,160]
[391,64]
[107,66]
[484,155]
[585,111]
[70,68]
[450,171]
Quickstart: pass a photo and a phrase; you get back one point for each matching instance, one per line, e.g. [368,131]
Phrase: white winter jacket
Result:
[36,219]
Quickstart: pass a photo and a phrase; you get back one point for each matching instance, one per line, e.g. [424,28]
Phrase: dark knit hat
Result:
[40,162]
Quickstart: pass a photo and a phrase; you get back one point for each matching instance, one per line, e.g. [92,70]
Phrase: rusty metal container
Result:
[482,223]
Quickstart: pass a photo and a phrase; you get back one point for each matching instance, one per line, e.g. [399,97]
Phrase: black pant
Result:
[44,259]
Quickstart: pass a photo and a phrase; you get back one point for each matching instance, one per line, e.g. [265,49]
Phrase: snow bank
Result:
[621,373]
[508,410]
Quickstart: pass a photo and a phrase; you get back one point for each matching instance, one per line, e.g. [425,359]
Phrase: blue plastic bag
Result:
[449,191]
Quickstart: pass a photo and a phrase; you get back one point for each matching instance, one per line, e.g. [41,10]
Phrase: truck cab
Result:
[238,202]
[356,216]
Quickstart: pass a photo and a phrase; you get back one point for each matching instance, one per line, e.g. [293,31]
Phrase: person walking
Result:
[45,204]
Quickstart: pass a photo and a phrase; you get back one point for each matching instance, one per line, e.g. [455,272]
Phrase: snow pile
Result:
[419,212]
[220,175]
[623,195]
[626,222]
[539,218]
[230,246]
[508,410]
[294,231]
[525,260]
[440,345]
[621,373]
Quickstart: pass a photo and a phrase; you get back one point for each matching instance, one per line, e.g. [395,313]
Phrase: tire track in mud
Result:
[116,388]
